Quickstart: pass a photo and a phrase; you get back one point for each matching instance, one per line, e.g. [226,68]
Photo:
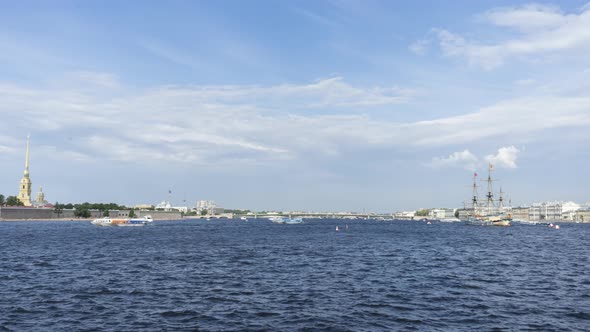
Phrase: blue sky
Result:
[295,105]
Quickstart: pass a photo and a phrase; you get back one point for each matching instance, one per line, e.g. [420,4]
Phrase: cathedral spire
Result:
[24,191]
[27,157]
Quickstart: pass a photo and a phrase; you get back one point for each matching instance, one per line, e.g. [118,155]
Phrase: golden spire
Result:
[27,157]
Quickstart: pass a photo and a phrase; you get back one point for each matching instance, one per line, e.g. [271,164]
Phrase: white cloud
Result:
[420,47]
[542,31]
[215,124]
[463,159]
[505,158]
[529,17]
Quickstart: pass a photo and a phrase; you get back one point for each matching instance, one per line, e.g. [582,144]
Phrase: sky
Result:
[373,106]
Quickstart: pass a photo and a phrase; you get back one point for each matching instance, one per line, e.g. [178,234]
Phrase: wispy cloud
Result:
[420,47]
[317,18]
[173,54]
[211,124]
[543,30]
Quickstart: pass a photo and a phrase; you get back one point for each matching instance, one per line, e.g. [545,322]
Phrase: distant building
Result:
[520,213]
[24,192]
[164,205]
[215,211]
[206,206]
[404,215]
[441,213]
[464,214]
[553,211]
[582,215]
[40,200]
[144,206]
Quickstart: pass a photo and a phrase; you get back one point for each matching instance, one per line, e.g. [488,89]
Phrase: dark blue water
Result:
[254,275]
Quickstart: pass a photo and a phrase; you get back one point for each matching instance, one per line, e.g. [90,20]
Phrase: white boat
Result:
[244,218]
[450,220]
[106,221]
[291,221]
[277,220]
[286,220]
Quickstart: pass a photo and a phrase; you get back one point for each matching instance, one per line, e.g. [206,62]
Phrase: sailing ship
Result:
[492,212]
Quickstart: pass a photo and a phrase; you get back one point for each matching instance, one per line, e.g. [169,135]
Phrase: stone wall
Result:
[160,215]
[24,213]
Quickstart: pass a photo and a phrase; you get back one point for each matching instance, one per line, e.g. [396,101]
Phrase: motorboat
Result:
[107,221]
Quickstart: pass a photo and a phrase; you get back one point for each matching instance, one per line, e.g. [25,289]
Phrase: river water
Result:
[234,275]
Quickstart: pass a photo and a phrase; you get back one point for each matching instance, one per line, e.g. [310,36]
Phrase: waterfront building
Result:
[404,215]
[441,213]
[520,213]
[582,215]
[144,207]
[205,205]
[24,192]
[553,211]
[464,214]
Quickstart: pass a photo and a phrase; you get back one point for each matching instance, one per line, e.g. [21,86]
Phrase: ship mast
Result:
[474,199]
[490,195]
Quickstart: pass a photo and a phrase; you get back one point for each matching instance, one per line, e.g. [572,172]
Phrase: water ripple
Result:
[235,276]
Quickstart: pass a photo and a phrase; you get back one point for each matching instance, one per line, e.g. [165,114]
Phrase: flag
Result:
[474,174]
[170,191]
[491,167]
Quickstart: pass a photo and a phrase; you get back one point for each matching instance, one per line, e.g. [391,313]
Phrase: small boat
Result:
[292,221]
[277,220]
[106,221]
[244,218]
[286,220]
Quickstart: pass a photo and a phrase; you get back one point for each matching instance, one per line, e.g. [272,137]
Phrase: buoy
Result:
[337,229]
[556,226]
[346,227]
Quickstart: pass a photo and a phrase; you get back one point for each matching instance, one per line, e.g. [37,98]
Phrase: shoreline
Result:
[67,219]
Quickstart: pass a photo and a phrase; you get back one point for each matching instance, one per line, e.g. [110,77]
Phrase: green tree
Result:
[131,213]
[203,212]
[82,213]
[106,213]
[2,200]
[457,214]
[422,213]
[58,209]
[13,201]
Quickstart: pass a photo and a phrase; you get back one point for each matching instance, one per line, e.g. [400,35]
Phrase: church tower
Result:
[40,197]
[24,193]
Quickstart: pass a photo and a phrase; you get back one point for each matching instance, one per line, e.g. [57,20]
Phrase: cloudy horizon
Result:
[318,106]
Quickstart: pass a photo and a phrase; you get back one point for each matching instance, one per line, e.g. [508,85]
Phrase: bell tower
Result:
[24,192]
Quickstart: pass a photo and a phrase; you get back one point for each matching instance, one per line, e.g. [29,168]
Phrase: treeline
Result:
[10,201]
[82,210]
[94,206]
[236,211]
